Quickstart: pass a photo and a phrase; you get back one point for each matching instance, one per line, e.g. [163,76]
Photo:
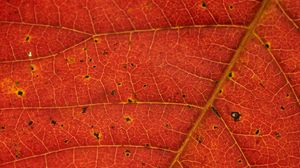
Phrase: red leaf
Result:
[141,83]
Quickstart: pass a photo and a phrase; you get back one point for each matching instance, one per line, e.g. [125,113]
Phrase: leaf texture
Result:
[149,83]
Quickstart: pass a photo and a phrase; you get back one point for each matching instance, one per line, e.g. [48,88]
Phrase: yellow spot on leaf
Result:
[70,60]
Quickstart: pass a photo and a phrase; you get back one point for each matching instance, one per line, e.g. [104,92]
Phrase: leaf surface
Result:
[180,83]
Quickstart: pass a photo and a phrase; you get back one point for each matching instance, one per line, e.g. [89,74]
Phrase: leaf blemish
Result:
[257,132]
[27,38]
[127,153]
[128,119]
[235,115]
[30,123]
[203,5]
[53,122]
[230,75]
[20,93]
[97,135]
[267,45]
[84,109]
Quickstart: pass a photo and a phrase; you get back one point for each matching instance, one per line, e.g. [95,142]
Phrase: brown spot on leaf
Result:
[277,135]
[97,135]
[257,132]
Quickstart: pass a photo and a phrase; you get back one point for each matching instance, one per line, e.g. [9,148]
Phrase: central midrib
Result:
[244,41]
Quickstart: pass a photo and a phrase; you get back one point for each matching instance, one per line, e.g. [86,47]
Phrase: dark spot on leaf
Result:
[90,59]
[199,139]
[113,92]
[87,76]
[53,122]
[167,125]
[127,153]
[282,107]
[27,38]
[66,141]
[203,4]
[84,49]
[112,127]
[131,100]
[235,115]
[128,119]
[287,95]
[81,60]
[267,45]
[104,52]
[94,66]
[189,106]
[84,109]
[30,122]
[62,126]
[145,85]
[2,127]
[143,164]
[230,7]
[20,93]
[119,84]
[239,161]
[184,96]
[257,132]
[220,91]
[230,75]
[277,135]
[97,135]
[147,145]
[215,126]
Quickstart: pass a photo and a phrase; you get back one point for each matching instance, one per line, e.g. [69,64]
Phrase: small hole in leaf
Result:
[131,101]
[94,66]
[20,93]
[203,5]
[145,85]
[257,132]
[97,135]
[87,76]
[32,67]
[230,7]
[119,83]
[53,122]
[127,153]
[239,161]
[62,126]
[66,141]
[128,119]
[220,91]
[96,39]
[215,126]
[235,115]
[267,45]
[27,38]
[230,75]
